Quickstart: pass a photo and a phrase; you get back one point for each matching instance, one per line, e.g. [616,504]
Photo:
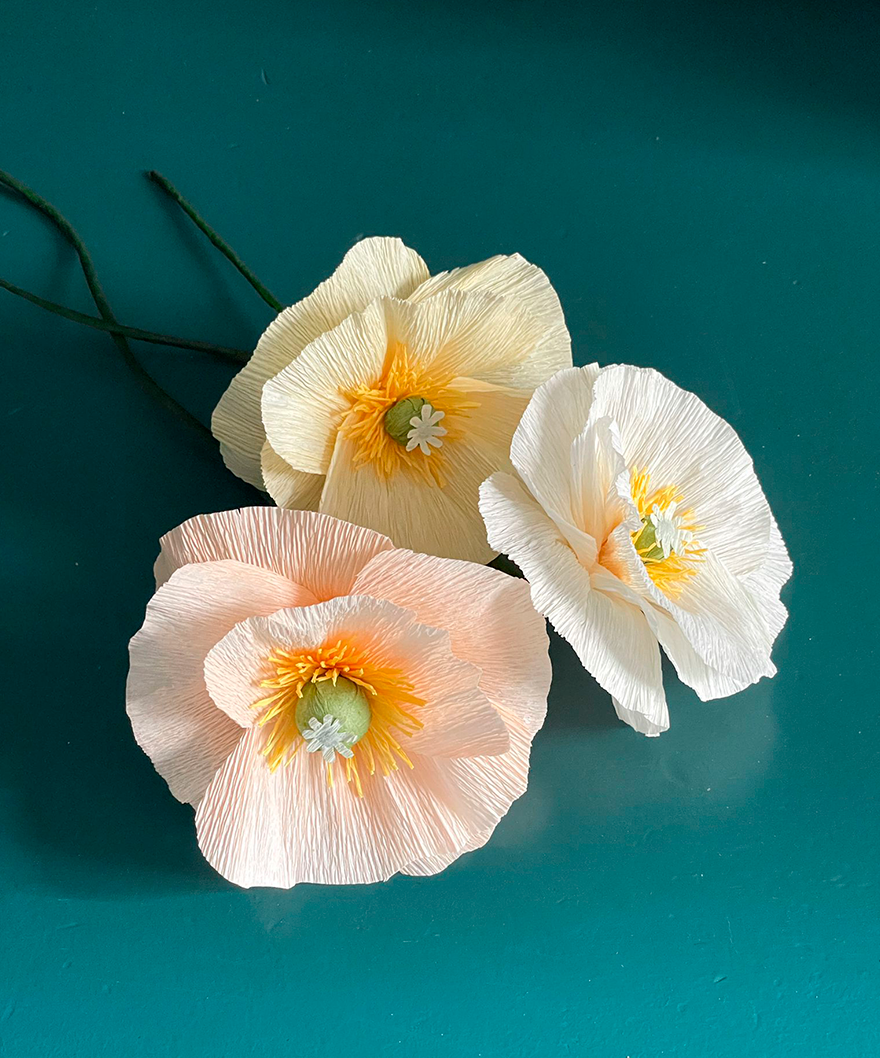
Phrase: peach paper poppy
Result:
[335,709]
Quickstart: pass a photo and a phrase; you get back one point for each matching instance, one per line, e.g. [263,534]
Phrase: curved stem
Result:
[220,243]
[67,230]
[133,333]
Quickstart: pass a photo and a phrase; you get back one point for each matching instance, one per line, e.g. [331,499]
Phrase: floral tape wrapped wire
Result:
[387,396]
[639,522]
[335,709]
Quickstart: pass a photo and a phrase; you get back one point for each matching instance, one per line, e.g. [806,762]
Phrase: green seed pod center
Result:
[343,700]
[646,543]
[397,418]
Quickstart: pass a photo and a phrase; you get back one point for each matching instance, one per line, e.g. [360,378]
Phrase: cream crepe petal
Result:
[507,276]
[458,718]
[288,487]
[515,278]
[321,553]
[489,617]
[473,335]
[541,447]
[716,613]
[611,636]
[493,783]
[173,717]
[681,442]
[305,403]
[371,268]
[692,670]
[420,515]
[278,829]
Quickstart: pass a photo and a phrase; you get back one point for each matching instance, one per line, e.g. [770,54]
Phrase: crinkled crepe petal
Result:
[609,634]
[458,719]
[371,268]
[173,717]
[515,278]
[323,554]
[489,617]
[417,513]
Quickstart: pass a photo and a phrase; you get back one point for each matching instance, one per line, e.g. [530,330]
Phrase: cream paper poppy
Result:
[335,709]
[638,520]
[387,396]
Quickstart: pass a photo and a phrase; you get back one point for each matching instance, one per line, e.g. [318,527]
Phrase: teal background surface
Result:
[700,183]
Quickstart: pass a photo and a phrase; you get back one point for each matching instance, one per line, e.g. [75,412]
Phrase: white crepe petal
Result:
[683,443]
[610,635]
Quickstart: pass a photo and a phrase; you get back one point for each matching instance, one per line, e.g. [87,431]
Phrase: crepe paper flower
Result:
[639,522]
[335,709]
[322,415]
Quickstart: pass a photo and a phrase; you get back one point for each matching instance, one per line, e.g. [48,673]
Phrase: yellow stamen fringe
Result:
[402,376]
[672,573]
[389,692]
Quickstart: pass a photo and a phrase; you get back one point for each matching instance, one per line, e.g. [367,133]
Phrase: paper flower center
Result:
[332,716]
[333,700]
[398,418]
[666,542]
[415,423]
[381,420]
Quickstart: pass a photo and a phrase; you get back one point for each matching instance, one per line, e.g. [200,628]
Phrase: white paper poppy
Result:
[639,522]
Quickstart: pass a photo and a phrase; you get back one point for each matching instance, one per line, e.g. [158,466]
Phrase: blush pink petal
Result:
[489,617]
[458,718]
[278,829]
[320,553]
[490,785]
[173,717]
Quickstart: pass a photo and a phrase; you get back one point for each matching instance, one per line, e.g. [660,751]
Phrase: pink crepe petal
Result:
[458,718]
[258,827]
[492,784]
[489,617]
[173,717]
[319,552]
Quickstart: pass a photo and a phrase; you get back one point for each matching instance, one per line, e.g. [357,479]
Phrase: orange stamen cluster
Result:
[402,376]
[389,692]
[671,573]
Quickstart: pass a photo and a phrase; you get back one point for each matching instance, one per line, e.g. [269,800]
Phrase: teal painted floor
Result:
[700,182]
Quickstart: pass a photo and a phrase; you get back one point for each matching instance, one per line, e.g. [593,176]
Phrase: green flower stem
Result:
[221,244]
[66,228]
[133,333]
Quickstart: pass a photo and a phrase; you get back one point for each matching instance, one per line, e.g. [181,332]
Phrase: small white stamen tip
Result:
[425,432]
[668,531]
[328,739]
